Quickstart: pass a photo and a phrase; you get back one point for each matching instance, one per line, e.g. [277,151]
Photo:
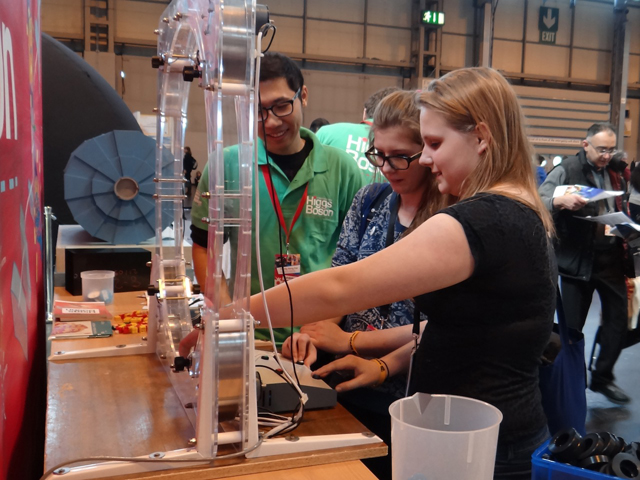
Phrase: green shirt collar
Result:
[316,161]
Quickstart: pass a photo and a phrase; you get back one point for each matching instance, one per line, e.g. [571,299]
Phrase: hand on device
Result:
[298,348]
[366,373]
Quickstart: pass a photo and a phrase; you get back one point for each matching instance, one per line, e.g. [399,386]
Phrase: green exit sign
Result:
[429,17]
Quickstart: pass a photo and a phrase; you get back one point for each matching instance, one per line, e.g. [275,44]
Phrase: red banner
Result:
[21,252]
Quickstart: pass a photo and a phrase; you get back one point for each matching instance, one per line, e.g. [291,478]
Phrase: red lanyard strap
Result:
[275,201]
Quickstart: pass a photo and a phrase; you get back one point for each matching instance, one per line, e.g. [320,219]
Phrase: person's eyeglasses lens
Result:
[279,110]
[396,162]
[603,150]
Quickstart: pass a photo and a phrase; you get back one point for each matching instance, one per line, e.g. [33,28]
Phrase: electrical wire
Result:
[266,27]
[297,417]
[204,461]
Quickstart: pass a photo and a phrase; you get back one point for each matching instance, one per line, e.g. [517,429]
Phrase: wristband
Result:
[384,371]
[351,342]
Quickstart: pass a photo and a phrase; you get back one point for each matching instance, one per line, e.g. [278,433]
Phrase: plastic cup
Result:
[97,286]
[443,437]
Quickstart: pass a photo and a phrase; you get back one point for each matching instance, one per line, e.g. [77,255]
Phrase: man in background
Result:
[589,256]
[353,138]
[189,164]
[318,123]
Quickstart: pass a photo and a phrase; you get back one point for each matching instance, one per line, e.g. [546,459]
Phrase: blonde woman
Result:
[481,269]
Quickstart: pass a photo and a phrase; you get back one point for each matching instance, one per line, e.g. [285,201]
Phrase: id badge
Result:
[607,231]
[290,263]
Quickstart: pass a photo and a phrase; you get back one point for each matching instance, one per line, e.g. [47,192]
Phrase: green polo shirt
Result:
[333,180]
[353,138]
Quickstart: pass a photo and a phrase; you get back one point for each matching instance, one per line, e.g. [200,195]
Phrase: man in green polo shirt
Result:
[353,138]
[314,185]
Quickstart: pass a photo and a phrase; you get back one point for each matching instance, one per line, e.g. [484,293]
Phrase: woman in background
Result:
[381,214]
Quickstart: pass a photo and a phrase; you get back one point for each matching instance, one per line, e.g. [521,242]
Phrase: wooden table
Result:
[126,406]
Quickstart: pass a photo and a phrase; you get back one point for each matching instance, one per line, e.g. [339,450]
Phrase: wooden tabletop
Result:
[126,406]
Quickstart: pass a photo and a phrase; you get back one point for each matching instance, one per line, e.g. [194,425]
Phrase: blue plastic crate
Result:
[544,469]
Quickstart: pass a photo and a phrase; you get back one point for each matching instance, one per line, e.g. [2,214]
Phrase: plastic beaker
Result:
[97,286]
[443,437]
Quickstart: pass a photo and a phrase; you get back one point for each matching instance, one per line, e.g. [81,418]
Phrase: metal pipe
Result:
[171,180]
[524,35]
[48,259]
[573,22]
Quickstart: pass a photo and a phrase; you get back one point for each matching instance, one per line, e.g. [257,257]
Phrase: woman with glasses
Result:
[481,269]
[410,197]
[381,214]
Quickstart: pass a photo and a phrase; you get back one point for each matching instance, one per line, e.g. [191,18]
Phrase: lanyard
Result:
[394,206]
[276,203]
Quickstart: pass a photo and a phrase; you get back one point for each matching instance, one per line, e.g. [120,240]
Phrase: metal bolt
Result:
[192,441]
[156,455]
[61,471]
[165,20]
[61,352]
[177,16]
[156,32]
[291,438]
[368,434]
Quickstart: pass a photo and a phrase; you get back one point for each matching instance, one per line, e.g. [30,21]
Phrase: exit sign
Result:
[548,24]
[430,17]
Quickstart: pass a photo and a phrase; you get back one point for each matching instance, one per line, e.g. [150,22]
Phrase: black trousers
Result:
[607,278]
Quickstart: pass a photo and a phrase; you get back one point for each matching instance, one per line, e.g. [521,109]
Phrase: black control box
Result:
[129,265]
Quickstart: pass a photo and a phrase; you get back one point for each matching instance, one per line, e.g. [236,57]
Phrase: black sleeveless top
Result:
[485,335]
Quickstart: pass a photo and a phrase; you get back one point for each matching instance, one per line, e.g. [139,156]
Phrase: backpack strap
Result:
[370,203]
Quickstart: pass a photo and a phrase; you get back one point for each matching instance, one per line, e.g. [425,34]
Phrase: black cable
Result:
[264,29]
[280,227]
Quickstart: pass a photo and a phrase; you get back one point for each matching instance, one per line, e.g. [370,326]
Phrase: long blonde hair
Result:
[469,97]
[399,109]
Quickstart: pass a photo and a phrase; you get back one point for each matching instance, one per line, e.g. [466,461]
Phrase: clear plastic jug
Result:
[443,437]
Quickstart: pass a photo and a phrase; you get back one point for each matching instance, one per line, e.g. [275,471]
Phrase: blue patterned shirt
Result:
[350,249]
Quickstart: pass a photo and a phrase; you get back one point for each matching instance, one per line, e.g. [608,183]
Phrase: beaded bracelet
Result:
[351,344]
[384,371]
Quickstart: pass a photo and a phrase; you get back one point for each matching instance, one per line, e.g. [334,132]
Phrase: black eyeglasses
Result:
[282,109]
[602,150]
[397,162]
